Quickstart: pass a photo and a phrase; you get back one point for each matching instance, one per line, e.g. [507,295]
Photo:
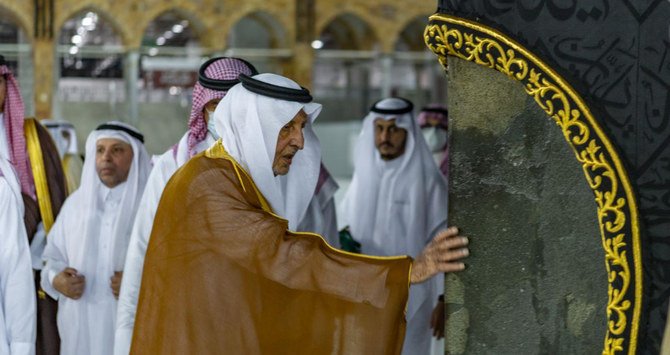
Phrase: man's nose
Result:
[298,139]
[384,135]
[107,155]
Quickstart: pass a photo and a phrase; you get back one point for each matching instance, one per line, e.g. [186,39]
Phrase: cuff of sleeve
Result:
[48,286]
[51,274]
[20,348]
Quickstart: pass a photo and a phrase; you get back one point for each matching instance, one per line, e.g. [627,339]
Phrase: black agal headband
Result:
[216,84]
[115,127]
[435,110]
[409,106]
[275,91]
[58,124]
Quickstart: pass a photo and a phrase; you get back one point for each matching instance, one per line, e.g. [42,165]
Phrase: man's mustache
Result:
[385,143]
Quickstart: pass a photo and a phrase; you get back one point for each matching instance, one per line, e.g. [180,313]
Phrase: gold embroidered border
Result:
[39,173]
[448,35]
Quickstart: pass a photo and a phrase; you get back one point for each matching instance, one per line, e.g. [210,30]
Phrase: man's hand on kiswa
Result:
[441,255]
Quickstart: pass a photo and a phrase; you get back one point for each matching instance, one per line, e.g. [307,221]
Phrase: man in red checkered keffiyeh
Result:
[215,77]
[17,289]
[13,145]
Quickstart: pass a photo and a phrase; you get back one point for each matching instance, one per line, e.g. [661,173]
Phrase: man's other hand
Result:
[116,283]
[441,255]
[437,320]
[70,283]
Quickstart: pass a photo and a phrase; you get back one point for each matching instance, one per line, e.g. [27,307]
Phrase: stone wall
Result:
[536,280]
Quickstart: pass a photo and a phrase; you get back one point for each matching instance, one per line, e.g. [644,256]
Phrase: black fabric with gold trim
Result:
[613,54]
[51,193]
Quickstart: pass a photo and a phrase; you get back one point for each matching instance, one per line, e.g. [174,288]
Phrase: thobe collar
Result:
[112,194]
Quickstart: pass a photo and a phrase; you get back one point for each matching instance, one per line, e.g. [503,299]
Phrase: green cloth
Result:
[347,242]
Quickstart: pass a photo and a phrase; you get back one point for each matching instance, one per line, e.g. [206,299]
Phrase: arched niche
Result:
[615,238]
[90,72]
[16,47]
[260,38]
[346,77]
[169,58]
[348,32]
[415,75]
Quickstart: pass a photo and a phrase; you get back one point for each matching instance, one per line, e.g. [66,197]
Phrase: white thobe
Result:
[396,207]
[320,217]
[39,239]
[394,241]
[17,288]
[164,167]
[86,325]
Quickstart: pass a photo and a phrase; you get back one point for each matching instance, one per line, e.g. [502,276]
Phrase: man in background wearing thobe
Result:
[86,248]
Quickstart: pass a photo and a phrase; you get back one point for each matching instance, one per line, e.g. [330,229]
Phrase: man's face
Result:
[289,142]
[389,139]
[3,92]
[433,122]
[112,161]
[209,107]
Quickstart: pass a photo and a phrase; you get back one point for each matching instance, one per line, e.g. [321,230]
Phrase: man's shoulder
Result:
[205,162]
[201,169]
[164,164]
[215,176]
[5,189]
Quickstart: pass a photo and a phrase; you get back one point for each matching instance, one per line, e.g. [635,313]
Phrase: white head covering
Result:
[249,125]
[56,129]
[393,207]
[88,200]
